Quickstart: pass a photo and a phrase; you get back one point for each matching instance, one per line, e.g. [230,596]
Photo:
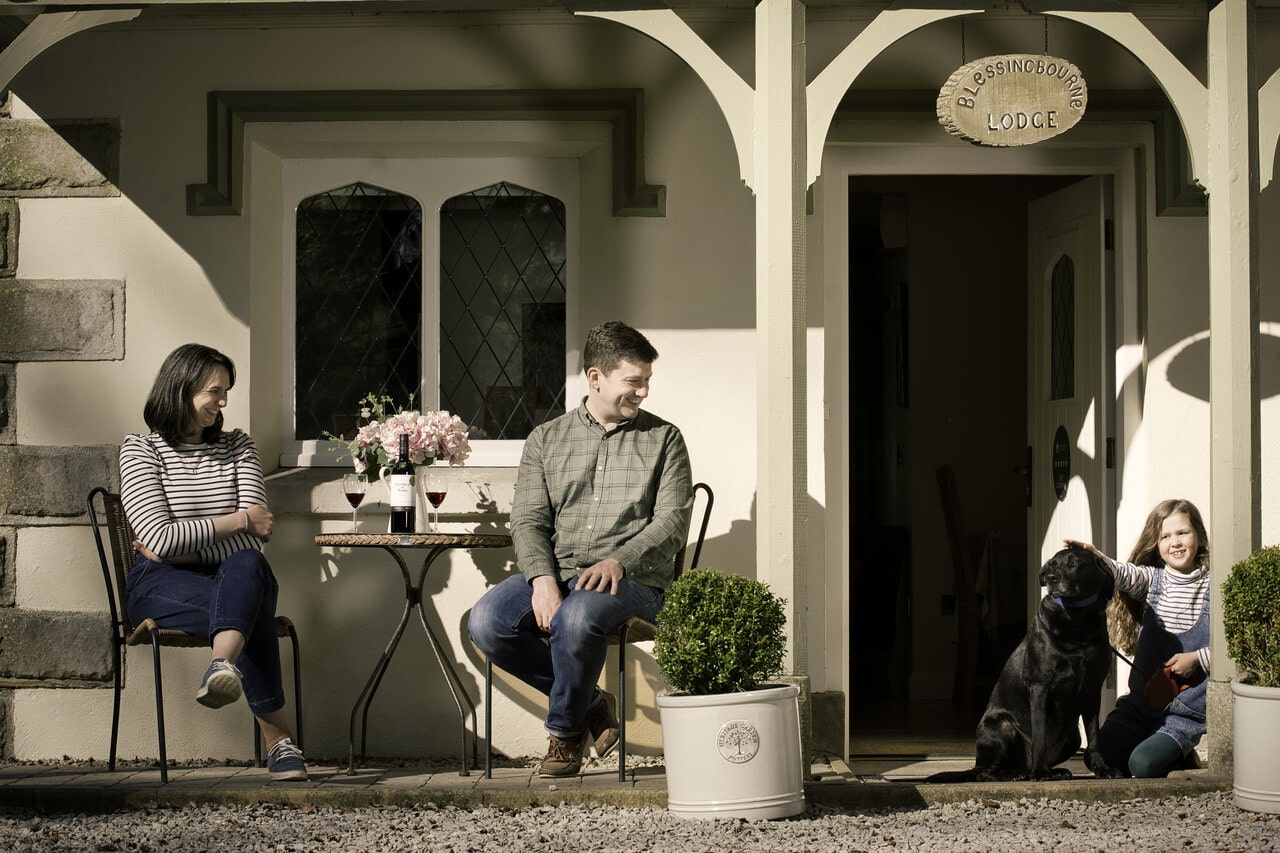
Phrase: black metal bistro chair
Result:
[116,562]
[634,630]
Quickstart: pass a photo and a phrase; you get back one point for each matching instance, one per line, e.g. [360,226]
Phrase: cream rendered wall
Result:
[686,279]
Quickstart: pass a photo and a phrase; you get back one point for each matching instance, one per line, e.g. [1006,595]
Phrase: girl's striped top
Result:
[1182,601]
[172,493]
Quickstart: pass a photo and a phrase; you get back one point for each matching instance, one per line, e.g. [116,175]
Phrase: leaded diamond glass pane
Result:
[359,304]
[1062,331]
[502,309]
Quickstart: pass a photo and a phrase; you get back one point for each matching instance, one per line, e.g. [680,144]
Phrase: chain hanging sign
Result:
[1012,99]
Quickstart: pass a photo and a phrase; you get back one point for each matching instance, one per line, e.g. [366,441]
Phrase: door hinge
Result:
[1111,452]
[1109,235]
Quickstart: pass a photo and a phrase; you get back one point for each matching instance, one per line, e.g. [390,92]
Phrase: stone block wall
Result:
[50,320]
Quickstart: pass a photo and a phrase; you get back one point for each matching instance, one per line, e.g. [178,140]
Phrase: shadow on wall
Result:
[1188,369]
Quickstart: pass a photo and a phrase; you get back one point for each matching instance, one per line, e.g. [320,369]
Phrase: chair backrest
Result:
[119,559]
[702,527]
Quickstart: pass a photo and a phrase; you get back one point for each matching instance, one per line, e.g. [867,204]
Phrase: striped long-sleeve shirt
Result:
[171,493]
[1182,601]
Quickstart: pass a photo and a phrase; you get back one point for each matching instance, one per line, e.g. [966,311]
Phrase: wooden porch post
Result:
[1235,496]
[782,490]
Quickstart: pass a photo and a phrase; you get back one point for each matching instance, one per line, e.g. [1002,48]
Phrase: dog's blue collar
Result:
[1084,602]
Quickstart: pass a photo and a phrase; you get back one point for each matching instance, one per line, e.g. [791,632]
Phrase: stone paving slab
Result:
[882,782]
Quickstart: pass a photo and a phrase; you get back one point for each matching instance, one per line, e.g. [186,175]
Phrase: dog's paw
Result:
[1053,774]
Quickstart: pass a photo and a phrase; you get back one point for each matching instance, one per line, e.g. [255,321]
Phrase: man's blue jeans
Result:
[566,665]
[203,600]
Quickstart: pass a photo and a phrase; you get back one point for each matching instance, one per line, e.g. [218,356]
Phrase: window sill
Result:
[475,494]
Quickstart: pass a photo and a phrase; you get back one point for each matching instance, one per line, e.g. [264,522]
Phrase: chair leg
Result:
[297,690]
[164,758]
[488,718]
[257,742]
[622,704]
[115,703]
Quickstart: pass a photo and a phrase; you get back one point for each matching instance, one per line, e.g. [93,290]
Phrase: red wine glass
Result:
[354,487]
[437,486]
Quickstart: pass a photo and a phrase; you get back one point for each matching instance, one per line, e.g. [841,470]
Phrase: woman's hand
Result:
[259,522]
[180,559]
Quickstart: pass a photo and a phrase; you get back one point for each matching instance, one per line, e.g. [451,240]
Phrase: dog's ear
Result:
[1108,587]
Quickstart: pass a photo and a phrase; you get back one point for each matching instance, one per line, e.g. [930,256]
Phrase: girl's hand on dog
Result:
[1076,543]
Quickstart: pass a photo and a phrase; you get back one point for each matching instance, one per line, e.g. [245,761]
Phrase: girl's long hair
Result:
[1124,613]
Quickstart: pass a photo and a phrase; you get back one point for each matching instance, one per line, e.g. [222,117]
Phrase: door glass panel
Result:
[359,305]
[502,309]
[1062,331]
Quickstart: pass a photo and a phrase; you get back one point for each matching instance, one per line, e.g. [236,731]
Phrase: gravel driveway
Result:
[1206,822]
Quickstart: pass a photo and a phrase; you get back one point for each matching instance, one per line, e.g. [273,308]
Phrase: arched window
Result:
[358,294]
[1062,331]
[502,309]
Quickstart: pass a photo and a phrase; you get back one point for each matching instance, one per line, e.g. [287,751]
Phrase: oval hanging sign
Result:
[1012,99]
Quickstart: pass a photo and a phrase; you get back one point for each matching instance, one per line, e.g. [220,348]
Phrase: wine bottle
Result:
[400,486]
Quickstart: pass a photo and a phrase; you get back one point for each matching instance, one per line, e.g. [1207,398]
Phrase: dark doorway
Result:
[938,350]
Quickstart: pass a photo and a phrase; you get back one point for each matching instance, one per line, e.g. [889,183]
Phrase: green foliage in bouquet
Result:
[719,633]
[1251,616]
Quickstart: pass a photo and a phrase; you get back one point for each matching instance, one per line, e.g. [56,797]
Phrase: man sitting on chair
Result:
[602,505]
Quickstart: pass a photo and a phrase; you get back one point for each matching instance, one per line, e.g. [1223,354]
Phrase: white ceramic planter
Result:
[1256,746]
[734,755]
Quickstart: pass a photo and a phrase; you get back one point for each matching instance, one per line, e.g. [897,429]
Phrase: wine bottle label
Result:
[400,489]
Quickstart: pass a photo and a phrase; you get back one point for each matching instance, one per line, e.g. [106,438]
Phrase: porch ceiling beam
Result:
[47,30]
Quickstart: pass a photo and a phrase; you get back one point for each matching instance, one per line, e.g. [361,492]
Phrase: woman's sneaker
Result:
[285,763]
[221,685]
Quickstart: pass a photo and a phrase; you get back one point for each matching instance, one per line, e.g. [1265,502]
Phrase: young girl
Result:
[1153,730]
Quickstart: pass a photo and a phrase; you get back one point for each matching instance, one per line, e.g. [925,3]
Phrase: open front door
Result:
[1070,381]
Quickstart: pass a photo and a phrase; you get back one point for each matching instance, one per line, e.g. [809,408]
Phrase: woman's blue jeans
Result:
[203,600]
[566,664]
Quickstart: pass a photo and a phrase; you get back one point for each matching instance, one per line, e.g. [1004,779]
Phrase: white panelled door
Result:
[1070,370]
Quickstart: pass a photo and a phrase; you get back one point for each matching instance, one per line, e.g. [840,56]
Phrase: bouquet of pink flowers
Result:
[433,436]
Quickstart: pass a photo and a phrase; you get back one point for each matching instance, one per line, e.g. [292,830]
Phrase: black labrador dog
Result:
[1053,678]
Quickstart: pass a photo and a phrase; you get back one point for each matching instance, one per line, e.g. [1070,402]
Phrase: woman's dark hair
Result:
[168,410]
[615,341]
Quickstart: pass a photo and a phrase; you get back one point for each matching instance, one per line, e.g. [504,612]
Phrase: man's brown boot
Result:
[564,757]
[602,723]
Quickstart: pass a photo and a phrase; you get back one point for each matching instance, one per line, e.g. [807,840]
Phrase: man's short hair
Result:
[615,341]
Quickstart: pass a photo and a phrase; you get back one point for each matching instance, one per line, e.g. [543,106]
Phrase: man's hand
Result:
[546,600]
[603,576]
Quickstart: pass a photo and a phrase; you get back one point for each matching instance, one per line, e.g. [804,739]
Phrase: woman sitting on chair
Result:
[196,501]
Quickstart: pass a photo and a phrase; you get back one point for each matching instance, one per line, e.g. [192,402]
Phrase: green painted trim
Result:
[228,112]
